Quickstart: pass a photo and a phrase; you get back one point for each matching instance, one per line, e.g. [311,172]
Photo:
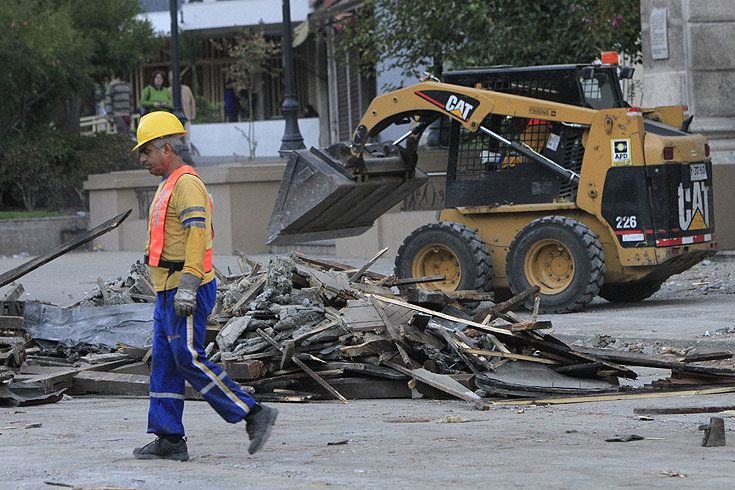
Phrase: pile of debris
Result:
[303,328]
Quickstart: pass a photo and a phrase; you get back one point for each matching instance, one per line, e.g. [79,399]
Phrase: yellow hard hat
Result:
[157,124]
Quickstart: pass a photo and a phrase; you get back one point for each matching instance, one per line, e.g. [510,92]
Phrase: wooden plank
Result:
[500,310]
[683,410]
[460,352]
[23,269]
[357,275]
[315,331]
[243,370]
[329,264]
[710,356]
[105,383]
[368,348]
[366,369]
[14,323]
[510,355]
[416,280]
[15,293]
[132,352]
[470,295]
[392,331]
[61,379]
[647,360]
[613,397]
[475,325]
[304,367]
[441,382]
[104,290]
[526,326]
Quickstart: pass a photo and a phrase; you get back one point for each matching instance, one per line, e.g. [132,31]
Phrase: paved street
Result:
[87,441]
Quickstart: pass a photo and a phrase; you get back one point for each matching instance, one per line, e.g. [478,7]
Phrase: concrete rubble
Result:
[302,328]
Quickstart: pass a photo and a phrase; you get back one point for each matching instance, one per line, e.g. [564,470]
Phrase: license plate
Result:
[698,171]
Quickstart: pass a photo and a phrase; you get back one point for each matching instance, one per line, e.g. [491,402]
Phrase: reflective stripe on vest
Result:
[158,218]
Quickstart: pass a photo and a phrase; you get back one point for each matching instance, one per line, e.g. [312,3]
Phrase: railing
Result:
[100,124]
[95,124]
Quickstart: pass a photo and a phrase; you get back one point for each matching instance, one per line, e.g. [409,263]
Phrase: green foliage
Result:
[435,35]
[51,50]
[206,112]
[47,168]
[119,41]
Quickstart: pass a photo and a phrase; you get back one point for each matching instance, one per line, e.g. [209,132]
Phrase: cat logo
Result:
[620,152]
[459,106]
[694,207]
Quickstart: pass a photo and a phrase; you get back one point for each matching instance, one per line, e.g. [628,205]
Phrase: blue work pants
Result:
[178,355]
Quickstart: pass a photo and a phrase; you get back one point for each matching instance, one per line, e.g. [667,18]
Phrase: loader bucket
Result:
[319,198]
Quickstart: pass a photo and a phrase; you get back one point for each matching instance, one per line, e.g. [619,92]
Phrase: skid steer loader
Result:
[552,181]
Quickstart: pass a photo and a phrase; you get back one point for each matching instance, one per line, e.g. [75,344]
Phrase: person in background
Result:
[156,97]
[179,259]
[119,104]
[189,106]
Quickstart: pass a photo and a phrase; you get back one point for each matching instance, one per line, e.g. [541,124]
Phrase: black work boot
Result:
[163,449]
[259,422]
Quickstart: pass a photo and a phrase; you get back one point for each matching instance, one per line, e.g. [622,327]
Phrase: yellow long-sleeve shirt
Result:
[187,232]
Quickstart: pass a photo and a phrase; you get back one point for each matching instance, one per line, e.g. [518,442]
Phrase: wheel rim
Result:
[434,260]
[549,264]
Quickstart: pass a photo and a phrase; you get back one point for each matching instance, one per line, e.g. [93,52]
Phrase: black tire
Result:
[560,255]
[425,252]
[629,293]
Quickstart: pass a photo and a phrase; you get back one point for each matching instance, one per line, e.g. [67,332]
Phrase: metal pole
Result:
[292,139]
[178,110]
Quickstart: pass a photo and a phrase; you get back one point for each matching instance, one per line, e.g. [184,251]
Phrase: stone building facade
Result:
[689,58]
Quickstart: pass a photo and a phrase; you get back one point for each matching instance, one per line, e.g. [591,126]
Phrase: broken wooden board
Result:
[243,370]
[648,360]
[523,378]
[15,293]
[329,264]
[620,396]
[367,369]
[359,388]
[684,410]
[357,275]
[104,383]
[510,355]
[62,379]
[304,367]
[369,348]
[477,326]
[501,309]
[361,316]
[441,382]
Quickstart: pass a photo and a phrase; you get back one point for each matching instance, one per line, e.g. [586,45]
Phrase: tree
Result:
[434,35]
[52,50]
[251,53]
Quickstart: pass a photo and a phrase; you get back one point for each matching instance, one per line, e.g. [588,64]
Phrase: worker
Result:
[179,260]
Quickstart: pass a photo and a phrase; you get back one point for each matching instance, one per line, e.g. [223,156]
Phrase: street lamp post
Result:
[176,72]
[292,139]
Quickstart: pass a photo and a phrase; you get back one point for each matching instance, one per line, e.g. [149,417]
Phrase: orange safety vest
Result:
[158,218]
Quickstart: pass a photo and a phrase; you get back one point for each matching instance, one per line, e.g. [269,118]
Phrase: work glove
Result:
[185,299]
